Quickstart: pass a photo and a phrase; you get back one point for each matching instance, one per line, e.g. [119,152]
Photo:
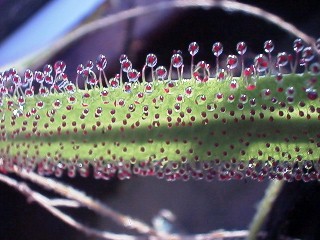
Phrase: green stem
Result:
[264,208]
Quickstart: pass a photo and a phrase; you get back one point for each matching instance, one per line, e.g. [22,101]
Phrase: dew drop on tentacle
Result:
[98,112]
[89,65]
[282,60]
[43,91]
[279,79]
[193,50]
[47,69]
[72,99]
[266,93]
[80,69]
[127,87]
[16,80]
[29,92]
[241,50]
[232,62]
[92,81]
[233,85]
[161,73]
[123,57]
[176,62]
[219,97]
[11,72]
[318,44]
[132,107]
[221,75]
[140,96]
[188,91]
[148,88]
[60,82]
[28,76]
[101,64]
[115,81]
[177,107]
[250,80]
[268,48]
[70,88]
[201,72]
[48,79]
[126,65]
[314,68]
[298,45]
[85,101]
[201,99]
[261,63]
[59,67]
[104,96]
[243,98]
[57,104]
[307,54]
[39,77]
[231,98]
[290,91]
[217,49]
[297,48]
[307,57]
[180,98]
[170,86]
[133,75]
[312,94]
[253,102]
[119,102]
[151,61]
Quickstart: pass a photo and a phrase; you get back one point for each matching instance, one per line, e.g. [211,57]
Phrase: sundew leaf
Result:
[226,127]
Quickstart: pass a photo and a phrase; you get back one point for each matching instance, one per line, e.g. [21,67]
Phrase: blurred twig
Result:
[264,208]
[49,206]
[81,199]
[86,201]
[37,58]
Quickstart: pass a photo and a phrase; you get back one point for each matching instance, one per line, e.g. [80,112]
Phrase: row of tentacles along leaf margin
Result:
[228,121]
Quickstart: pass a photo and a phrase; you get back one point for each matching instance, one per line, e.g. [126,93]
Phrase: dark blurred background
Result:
[198,205]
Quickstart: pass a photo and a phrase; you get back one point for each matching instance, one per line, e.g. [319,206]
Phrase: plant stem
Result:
[86,201]
[264,208]
[49,205]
